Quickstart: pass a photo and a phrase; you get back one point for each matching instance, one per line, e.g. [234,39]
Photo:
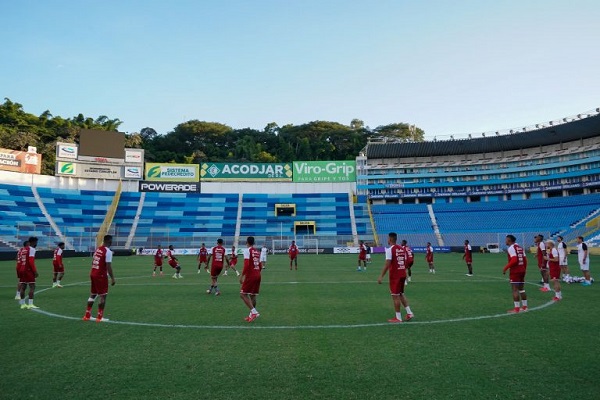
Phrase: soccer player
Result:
[172,260]
[542,263]
[562,255]
[250,279]
[218,259]
[410,260]
[18,268]
[203,259]
[293,253]
[429,258]
[395,263]
[583,257]
[27,272]
[232,261]
[101,270]
[553,259]
[517,263]
[263,256]
[57,264]
[368,253]
[362,256]
[158,260]
[468,257]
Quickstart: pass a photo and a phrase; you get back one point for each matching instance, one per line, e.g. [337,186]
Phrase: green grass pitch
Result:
[322,334]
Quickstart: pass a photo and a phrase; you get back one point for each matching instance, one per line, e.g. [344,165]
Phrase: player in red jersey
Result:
[158,260]
[362,256]
[395,263]
[293,253]
[429,258]
[517,263]
[101,270]
[541,262]
[468,257]
[18,295]
[250,278]
[410,260]
[233,259]
[173,262]
[58,266]
[553,259]
[218,258]
[203,259]
[27,272]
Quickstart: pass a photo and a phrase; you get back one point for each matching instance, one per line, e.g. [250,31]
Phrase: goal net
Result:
[281,246]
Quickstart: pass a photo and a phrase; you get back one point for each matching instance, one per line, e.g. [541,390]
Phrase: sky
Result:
[449,67]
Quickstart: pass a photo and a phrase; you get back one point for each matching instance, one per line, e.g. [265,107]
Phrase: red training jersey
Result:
[234,254]
[170,256]
[293,251]
[553,259]
[102,256]
[468,253]
[252,265]
[397,255]
[363,251]
[57,258]
[517,262]
[218,256]
[26,259]
[410,257]
[541,249]
[429,254]
[158,255]
[203,252]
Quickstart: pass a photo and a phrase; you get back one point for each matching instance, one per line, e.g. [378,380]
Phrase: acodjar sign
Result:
[324,171]
[246,172]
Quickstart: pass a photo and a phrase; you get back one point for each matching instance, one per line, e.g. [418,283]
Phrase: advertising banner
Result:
[84,170]
[134,156]
[20,161]
[66,150]
[244,172]
[170,187]
[172,172]
[132,172]
[324,171]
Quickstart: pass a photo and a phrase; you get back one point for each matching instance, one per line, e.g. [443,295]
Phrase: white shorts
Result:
[585,267]
[563,263]
[368,256]
[263,259]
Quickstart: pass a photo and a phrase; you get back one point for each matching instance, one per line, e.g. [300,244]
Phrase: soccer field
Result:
[322,333]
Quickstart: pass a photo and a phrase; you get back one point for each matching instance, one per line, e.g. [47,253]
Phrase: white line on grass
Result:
[280,327]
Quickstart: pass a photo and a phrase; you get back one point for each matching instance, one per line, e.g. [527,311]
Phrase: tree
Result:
[402,132]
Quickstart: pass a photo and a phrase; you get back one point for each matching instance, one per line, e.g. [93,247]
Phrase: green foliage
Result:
[197,141]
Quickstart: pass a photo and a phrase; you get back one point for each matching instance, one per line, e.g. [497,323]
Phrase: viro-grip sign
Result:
[324,171]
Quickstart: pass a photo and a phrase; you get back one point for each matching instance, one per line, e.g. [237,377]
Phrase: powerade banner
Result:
[172,172]
[324,171]
[170,187]
[246,172]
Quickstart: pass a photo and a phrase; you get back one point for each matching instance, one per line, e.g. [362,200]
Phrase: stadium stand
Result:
[182,219]
[21,218]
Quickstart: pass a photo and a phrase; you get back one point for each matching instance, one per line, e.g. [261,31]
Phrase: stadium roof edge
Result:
[549,135]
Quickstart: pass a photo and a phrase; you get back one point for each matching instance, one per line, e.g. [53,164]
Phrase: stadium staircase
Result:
[434,225]
[238,222]
[372,221]
[110,215]
[38,199]
[136,220]
[352,218]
